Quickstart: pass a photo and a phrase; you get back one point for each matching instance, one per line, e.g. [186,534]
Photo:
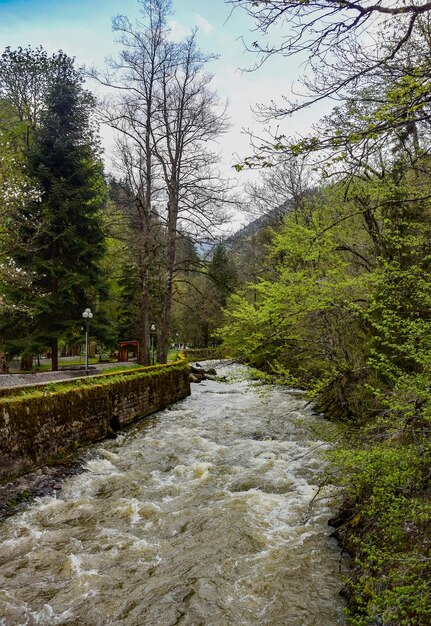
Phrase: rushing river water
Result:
[201,515]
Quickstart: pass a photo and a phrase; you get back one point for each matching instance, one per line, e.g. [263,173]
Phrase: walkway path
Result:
[16,380]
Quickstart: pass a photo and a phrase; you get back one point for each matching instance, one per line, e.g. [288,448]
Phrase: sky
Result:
[82,28]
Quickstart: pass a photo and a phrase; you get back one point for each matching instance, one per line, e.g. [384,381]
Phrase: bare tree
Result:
[320,27]
[189,120]
[134,77]
[374,52]
[281,188]
[166,118]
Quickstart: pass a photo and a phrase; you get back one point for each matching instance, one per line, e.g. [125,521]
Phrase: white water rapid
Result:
[204,514]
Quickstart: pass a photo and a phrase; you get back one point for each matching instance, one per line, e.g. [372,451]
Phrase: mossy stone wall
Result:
[36,429]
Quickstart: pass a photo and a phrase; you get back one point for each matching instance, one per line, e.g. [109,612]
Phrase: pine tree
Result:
[64,262]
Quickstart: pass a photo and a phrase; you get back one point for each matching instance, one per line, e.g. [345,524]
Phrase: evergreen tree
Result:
[68,245]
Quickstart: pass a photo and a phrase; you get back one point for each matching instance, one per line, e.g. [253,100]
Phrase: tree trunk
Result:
[4,368]
[165,329]
[163,344]
[144,356]
[54,355]
[26,362]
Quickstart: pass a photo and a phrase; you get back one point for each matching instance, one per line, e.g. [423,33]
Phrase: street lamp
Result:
[87,315]
[153,330]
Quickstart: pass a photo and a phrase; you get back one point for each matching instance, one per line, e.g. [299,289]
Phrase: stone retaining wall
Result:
[43,424]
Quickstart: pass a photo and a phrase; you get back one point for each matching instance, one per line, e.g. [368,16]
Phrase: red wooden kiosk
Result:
[123,352]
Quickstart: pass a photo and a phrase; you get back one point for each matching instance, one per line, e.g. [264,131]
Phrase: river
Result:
[204,514]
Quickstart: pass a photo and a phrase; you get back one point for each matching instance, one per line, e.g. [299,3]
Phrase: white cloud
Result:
[178,31]
[203,24]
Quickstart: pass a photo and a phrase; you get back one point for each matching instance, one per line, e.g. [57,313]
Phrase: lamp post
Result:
[87,315]
[153,330]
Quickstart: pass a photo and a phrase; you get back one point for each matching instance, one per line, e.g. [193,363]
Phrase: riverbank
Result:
[16,494]
[384,524]
[382,462]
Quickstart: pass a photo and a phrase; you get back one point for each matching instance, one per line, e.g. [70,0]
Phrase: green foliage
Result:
[16,190]
[62,265]
[388,531]
[277,322]
[342,309]
[201,291]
